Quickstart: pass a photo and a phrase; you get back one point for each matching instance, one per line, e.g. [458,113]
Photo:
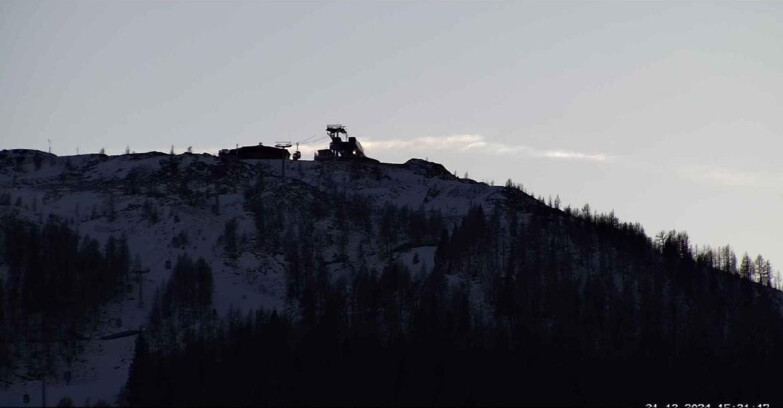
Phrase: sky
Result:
[667,113]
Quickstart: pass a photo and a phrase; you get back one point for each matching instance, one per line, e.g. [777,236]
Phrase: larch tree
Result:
[746,267]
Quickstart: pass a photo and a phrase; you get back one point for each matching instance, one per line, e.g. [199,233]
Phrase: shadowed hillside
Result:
[359,283]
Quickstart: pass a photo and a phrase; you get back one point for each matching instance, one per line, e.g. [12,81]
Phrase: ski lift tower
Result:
[334,132]
[282,145]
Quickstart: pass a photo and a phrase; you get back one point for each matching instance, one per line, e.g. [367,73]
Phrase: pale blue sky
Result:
[668,113]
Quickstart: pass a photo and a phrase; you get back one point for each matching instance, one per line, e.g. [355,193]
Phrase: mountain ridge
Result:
[288,244]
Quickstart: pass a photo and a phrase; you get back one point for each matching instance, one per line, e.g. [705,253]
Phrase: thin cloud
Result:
[562,154]
[477,143]
[448,143]
[731,177]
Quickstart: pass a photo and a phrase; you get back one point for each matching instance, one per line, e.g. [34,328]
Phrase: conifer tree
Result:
[746,267]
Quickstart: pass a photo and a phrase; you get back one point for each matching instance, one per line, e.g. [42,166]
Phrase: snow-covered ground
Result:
[89,190]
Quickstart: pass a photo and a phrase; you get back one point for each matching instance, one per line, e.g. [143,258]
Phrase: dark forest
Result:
[580,309]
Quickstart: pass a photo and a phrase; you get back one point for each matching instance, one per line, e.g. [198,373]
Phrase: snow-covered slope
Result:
[152,198]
